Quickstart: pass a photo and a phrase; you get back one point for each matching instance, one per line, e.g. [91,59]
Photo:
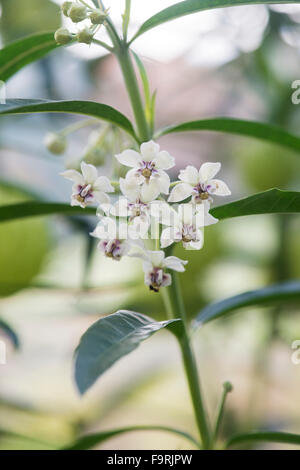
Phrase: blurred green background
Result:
[53,282]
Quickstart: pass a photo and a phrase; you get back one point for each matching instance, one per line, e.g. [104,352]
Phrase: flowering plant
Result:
[142,213]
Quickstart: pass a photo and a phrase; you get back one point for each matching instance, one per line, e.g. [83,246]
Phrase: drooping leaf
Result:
[89,441]
[109,339]
[272,294]
[188,7]
[87,108]
[280,437]
[273,201]
[10,333]
[20,53]
[258,130]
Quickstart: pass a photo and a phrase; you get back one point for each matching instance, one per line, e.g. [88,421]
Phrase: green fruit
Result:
[265,166]
[23,245]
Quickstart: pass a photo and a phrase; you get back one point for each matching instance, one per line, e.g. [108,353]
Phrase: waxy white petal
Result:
[101,197]
[129,158]
[180,192]
[102,183]
[130,188]
[74,176]
[177,264]
[167,237]
[221,188]
[208,170]
[150,191]
[149,151]
[89,172]
[189,175]
[164,161]
[164,181]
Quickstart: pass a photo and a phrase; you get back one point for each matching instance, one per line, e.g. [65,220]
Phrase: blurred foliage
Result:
[23,245]
[21,18]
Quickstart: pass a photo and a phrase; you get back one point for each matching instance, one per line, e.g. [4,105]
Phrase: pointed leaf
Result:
[18,54]
[277,293]
[188,7]
[282,437]
[109,339]
[87,108]
[91,440]
[258,130]
[273,201]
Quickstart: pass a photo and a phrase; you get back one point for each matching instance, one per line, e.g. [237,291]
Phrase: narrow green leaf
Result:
[282,437]
[146,85]
[188,7]
[109,339]
[87,108]
[18,54]
[91,440]
[10,333]
[258,130]
[273,201]
[273,294]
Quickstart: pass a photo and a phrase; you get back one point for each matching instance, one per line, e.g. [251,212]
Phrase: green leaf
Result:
[86,442]
[258,130]
[17,55]
[276,293]
[109,339]
[87,108]
[146,86]
[273,201]
[193,6]
[10,333]
[282,437]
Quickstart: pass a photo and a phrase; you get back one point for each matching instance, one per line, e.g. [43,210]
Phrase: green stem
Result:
[174,305]
[131,83]
[227,388]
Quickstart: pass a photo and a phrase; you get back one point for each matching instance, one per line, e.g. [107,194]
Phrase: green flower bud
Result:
[77,13]
[66,7]
[228,387]
[85,36]
[56,143]
[98,16]
[63,36]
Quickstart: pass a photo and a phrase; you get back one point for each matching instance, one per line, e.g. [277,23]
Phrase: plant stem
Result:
[227,388]
[174,304]
[131,83]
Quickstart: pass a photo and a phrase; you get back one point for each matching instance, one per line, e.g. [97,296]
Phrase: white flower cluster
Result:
[142,213]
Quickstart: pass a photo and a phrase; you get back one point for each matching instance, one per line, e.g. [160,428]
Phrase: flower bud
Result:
[85,36]
[98,16]
[228,387]
[66,7]
[56,143]
[63,36]
[77,13]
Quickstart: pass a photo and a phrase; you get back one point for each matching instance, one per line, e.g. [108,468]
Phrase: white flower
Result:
[201,184]
[115,240]
[154,267]
[88,186]
[185,226]
[148,168]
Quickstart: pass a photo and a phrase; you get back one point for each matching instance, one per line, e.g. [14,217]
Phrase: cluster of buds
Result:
[78,12]
[145,209]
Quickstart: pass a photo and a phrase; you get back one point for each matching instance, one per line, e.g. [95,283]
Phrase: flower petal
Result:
[164,161]
[180,192]
[129,158]
[101,197]
[167,280]
[89,172]
[164,181]
[102,183]
[189,175]
[208,171]
[149,150]
[150,191]
[74,176]
[156,257]
[177,264]
[221,188]
[130,188]
[167,237]
[120,208]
